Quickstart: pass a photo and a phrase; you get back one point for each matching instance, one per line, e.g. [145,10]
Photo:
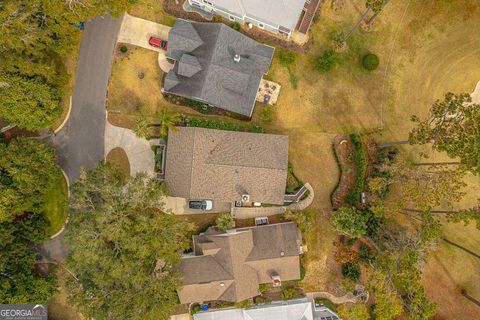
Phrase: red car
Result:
[159,43]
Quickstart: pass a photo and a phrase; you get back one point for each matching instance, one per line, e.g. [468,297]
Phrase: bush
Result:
[286,57]
[244,304]
[350,221]
[366,254]
[370,62]
[141,127]
[327,303]
[326,61]
[236,26]
[345,254]
[302,273]
[361,164]
[195,309]
[123,49]
[305,219]
[351,271]
[266,115]
[263,287]
[225,221]
[289,293]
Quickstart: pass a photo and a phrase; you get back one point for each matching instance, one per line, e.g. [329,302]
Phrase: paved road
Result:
[81,142]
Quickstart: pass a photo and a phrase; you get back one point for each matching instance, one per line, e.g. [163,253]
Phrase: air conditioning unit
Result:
[245,198]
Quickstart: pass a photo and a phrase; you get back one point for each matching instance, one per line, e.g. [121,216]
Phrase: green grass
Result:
[56,204]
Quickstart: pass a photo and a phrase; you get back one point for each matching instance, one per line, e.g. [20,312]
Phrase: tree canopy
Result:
[19,283]
[350,221]
[27,167]
[453,126]
[124,249]
[27,103]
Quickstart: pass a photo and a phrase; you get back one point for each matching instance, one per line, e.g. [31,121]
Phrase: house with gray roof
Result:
[277,16]
[226,166]
[230,266]
[216,65]
[298,309]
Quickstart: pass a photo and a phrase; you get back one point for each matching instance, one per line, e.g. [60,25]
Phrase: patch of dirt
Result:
[371,149]
[345,153]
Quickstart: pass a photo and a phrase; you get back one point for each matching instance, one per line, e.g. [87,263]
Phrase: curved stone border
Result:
[68,197]
[65,120]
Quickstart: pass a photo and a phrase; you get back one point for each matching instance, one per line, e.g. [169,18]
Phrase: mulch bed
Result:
[171,7]
[119,54]
[345,153]
[371,150]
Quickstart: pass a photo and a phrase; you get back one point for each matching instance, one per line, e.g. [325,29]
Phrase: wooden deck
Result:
[307,15]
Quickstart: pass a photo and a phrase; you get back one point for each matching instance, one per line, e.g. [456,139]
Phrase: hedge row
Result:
[221,125]
[361,163]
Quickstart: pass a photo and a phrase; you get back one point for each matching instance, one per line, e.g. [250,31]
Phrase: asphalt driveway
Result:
[80,143]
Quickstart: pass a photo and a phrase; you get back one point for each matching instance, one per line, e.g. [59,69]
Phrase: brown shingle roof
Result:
[246,258]
[224,165]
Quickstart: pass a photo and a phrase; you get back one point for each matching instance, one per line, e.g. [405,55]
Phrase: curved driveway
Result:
[80,143]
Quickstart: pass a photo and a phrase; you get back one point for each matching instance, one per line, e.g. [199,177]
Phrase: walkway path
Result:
[349,297]
[138,150]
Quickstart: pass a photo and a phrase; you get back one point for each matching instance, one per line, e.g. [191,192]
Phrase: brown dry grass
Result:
[151,10]
[58,306]
[119,158]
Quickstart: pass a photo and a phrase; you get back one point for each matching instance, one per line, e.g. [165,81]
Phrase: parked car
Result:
[158,43]
[204,205]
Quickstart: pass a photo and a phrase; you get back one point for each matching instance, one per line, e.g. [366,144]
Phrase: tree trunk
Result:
[436,163]
[355,27]
[394,143]
[462,248]
[469,297]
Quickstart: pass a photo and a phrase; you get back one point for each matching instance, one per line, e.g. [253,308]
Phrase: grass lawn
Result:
[56,205]
[119,158]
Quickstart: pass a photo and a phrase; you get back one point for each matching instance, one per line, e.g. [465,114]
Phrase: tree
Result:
[357,311]
[225,221]
[141,127]
[27,103]
[123,248]
[370,62]
[27,167]
[387,305]
[305,219]
[351,271]
[350,221]
[375,5]
[19,283]
[168,121]
[326,61]
[453,126]
[466,215]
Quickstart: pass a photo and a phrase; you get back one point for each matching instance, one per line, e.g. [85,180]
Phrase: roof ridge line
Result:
[232,166]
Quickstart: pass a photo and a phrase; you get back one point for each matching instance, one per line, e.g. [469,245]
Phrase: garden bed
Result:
[344,151]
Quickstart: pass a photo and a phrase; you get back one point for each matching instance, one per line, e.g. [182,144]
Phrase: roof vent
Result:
[282,253]
[222,284]
[236,58]
[246,198]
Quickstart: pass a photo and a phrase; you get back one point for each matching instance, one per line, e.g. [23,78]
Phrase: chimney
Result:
[236,57]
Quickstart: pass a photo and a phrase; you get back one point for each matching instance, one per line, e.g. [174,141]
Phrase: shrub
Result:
[236,26]
[361,164]
[305,219]
[302,273]
[326,61]
[244,304]
[350,221]
[370,62]
[263,287]
[266,115]
[289,293]
[195,309]
[225,221]
[327,303]
[141,127]
[286,57]
[123,49]
[345,254]
[366,254]
[351,271]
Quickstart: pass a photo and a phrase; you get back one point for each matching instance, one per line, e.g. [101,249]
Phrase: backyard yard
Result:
[426,48]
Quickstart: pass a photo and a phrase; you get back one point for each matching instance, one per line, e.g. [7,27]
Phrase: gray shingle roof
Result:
[218,79]
[235,270]
[224,165]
